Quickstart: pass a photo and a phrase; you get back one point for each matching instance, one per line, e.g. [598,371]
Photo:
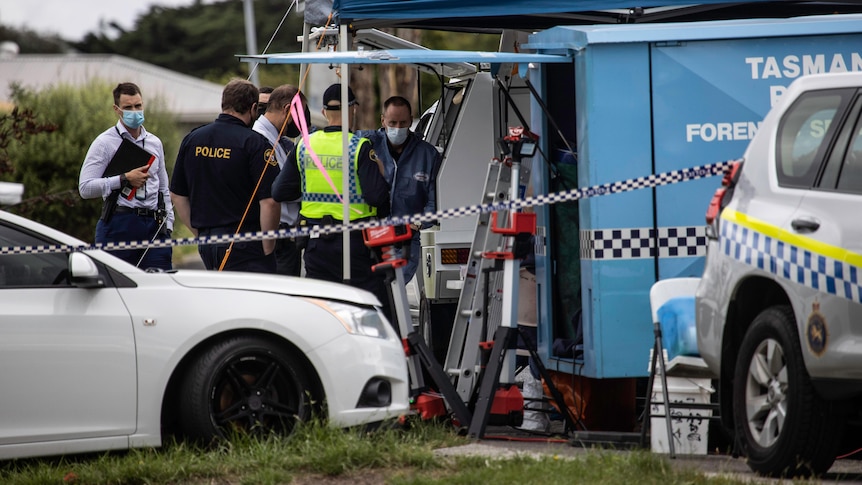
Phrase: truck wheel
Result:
[782,425]
[424,318]
[243,384]
[435,325]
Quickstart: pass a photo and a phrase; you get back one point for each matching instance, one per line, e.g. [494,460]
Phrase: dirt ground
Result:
[506,442]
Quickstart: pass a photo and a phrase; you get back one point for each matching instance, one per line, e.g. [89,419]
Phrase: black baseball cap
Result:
[333,93]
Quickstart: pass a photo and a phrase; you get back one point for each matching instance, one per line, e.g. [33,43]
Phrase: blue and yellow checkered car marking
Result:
[800,259]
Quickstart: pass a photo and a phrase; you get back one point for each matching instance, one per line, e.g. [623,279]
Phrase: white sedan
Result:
[96,354]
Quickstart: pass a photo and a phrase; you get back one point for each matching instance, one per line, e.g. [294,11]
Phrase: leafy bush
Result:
[48,162]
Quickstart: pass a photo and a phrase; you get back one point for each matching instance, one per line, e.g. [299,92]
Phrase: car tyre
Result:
[784,428]
[244,384]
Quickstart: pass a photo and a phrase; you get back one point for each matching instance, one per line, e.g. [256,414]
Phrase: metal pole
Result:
[250,39]
[346,162]
[305,48]
[511,277]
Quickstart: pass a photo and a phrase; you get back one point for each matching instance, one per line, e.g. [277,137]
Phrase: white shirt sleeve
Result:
[91,184]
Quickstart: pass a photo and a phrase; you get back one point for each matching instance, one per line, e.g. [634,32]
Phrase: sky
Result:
[72,19]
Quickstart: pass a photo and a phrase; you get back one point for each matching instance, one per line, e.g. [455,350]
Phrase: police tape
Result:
[649,181]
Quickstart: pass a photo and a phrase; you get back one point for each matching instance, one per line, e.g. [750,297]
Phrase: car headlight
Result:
[356,320]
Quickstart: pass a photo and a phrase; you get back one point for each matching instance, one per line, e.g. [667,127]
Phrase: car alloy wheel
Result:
[244,384]
[782,426]
[765,393]
[254,391]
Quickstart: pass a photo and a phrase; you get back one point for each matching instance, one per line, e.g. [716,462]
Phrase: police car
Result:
[779,307]
[96,354]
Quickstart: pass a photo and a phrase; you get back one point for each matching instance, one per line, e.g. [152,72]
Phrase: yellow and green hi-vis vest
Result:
[318,199]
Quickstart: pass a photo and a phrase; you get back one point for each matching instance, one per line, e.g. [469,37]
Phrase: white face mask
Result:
[397,136]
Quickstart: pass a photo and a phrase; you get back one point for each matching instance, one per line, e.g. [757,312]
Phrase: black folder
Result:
[128,157]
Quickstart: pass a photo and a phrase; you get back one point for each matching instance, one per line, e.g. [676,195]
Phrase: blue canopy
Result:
[491,15]
[401,56]
[417,9]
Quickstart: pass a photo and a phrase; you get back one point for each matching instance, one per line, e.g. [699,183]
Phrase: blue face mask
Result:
[133,119]
[397,136]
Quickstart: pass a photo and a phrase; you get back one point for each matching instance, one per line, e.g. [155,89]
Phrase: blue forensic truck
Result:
[648,99]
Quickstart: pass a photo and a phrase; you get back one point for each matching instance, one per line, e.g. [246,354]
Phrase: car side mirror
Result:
[85,273]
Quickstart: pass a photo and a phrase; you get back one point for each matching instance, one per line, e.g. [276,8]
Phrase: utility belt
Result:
[312,223]
[324,221]
[219,230]
[283,226]
[138,211]
[327,220]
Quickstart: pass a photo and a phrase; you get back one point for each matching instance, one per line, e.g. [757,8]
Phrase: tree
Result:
[31,42]
[373,84]
[15,126]
[203,40]
[456,41]
[48,162]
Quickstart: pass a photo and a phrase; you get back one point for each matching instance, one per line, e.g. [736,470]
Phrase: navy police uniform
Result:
[218,167]
[320,206]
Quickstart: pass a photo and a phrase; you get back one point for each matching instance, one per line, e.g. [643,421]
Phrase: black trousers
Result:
[131,227]
[288,257]
[244,256]
[324,260]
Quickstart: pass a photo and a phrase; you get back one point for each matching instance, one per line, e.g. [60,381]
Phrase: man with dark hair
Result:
[279,128]
[263,99]
[223,168]
[303,178]
[410,165]
[144,210]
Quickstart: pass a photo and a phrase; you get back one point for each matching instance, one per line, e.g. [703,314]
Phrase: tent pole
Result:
[250,39]
[305,48]
[346,162]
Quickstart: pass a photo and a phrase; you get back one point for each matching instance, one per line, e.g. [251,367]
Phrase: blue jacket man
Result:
[410,166]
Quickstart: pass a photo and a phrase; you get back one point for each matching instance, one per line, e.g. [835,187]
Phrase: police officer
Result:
[369,196]
[217,175]
[271,124]
[410,165]
[148,213]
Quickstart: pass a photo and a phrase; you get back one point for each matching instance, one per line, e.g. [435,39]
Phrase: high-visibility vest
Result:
[318,198]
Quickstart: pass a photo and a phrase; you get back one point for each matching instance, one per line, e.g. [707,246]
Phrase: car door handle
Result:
[804,225]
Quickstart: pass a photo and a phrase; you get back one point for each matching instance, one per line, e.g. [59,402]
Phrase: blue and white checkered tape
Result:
[331,198]
[789,261]
[649,181]
[643,242]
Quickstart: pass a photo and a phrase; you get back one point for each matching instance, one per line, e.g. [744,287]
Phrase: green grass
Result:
[319,454]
